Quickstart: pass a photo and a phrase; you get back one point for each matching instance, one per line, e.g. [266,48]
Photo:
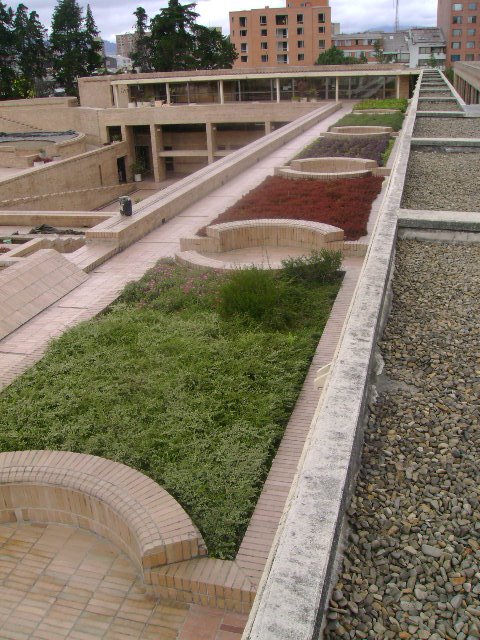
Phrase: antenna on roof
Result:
[397,26]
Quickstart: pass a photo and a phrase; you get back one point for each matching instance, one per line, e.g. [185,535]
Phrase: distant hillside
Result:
[110,48]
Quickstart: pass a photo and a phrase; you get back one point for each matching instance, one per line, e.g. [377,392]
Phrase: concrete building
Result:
[413,46]
[125,44]
[460,24]
[291,36]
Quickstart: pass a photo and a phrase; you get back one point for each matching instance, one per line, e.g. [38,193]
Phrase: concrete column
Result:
[156,136]
[115,95]
[167,87]
[221,92]
[268,128]
[337,88]
[397,86]
[127,136]
[211,144]
[277,88]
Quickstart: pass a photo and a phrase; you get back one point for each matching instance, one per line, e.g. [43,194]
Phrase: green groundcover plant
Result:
[388,103]
[394,120]
[183,383]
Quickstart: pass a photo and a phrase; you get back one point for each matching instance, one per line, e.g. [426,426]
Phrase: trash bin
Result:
[125,206]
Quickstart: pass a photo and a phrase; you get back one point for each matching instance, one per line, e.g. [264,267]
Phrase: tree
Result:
[432,61]
[378,52]
[7,52]
[141,52]
[335,56]
[178,43]
[93,44]
[31,52]
[74,44]
[212,50]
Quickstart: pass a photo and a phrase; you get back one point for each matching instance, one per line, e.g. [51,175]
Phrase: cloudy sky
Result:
[113,18]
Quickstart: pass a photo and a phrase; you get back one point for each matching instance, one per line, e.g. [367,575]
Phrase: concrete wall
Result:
[92,169]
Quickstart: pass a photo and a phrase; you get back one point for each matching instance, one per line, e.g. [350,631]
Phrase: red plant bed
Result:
[343,203]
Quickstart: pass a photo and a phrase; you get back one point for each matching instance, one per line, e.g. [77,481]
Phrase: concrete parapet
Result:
[371,132]
[327,168]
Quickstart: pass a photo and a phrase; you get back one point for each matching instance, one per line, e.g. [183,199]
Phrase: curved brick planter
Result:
[230,236]
[102,496]
[371,132]
[327,168]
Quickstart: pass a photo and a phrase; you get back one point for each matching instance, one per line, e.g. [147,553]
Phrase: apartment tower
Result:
[292,36]
[460,24]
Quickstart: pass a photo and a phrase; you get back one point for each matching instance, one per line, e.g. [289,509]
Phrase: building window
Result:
[243,58]
[243,33]
[265,58]
[321,17]
[424,50]
[281,19]
[263,19]
[456,32]
[321,29]
[263,33]
[300,44]
[282,34]
[300,31]
[470,44]
[321,44]
[471,32]
[455,45]
[457,19]
[472,19]
[469,57]
[472,6]
[457,7]
[299,18]
[243,47]
[455,57]
[282,59]
[347,43]
[243,21]
[264,45]
[301,57]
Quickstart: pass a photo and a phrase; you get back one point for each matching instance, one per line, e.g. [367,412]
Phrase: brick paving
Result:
[26,345]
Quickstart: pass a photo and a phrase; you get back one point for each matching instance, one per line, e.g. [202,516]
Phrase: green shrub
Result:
[390,103]
[252,293]
[387,152]
[319,266]
[394,120]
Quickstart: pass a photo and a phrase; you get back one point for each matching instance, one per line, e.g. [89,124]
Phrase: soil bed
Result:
[412,560]
[447,128]
[442,180]
[343,203]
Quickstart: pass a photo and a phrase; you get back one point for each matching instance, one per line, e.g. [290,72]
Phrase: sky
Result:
[113,18]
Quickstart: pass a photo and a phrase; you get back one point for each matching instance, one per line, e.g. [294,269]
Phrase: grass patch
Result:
[369,148]
[387,152]
[389,103]
[394,120]
[163,383]
[344,203]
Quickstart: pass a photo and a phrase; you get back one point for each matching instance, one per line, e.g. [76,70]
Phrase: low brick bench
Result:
[327,168]
[102,496]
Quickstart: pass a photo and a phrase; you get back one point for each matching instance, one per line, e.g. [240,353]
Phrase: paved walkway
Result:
[26,345]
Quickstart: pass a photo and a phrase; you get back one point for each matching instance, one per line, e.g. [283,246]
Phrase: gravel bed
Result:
[447,128]
[411,568]
[436,105]
[442,181]
[436,94]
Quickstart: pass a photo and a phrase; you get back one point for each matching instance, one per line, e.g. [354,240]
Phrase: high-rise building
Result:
[460,22]
[293,36]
